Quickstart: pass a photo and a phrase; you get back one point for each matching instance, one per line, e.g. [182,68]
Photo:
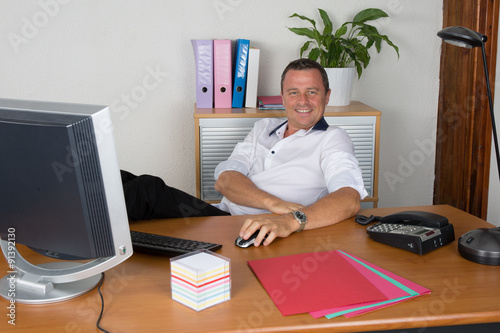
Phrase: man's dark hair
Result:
[306,64]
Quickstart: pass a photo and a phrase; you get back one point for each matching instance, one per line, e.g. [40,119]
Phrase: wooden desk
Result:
[138,298]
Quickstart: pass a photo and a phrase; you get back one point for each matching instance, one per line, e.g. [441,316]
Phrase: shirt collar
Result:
[321,125]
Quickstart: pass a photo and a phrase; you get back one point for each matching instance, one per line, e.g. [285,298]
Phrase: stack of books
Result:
[270,103]
[226,76]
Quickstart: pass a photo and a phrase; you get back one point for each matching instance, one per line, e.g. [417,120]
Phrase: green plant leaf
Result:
[341,31]
[359,69]
[372,34]
[304,18]
[326,22]
[369,43]
[378,44]
[314,54]
[367,30]
[318,37]
[332,51]
[362,54]
[327,41]
[350,57]
[304,32]
[369,14]
[386,39]
[305,47]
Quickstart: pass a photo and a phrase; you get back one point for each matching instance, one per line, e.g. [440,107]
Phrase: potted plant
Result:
[343,52]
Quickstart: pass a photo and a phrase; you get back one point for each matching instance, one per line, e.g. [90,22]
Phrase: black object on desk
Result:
[165,245]
[415,231]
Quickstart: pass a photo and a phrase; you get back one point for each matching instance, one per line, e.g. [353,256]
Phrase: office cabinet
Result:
[218,130]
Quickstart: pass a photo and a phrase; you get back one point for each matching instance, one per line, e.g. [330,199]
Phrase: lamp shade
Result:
[462,37]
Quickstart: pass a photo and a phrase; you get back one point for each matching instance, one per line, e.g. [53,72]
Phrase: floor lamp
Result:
[479,245]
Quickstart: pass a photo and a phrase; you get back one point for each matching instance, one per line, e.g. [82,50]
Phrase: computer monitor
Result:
[60,195]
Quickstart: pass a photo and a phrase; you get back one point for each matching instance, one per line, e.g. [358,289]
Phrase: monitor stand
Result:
[40,284]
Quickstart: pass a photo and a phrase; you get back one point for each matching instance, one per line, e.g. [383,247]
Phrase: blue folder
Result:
[240,72]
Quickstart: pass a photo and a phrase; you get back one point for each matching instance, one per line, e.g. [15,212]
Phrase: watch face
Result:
[301,216]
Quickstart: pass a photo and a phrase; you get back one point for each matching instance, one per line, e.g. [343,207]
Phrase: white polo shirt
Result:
[300,168]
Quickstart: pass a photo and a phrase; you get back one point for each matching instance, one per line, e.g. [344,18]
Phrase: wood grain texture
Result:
[138,297]
[463,140]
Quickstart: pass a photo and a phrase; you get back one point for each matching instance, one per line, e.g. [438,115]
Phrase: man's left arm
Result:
[332,208]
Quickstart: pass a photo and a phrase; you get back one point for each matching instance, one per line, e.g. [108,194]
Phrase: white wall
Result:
[136,56]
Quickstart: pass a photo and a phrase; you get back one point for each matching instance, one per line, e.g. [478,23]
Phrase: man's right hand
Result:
[278,206]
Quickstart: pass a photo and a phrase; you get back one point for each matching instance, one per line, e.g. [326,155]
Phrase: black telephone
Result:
[415,231]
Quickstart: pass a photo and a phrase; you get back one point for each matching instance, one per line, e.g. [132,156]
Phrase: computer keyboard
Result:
[165,245]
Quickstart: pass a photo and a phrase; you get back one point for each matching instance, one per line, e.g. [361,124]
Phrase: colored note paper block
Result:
[200,279]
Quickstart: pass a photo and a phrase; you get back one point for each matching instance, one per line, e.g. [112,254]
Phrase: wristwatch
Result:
[301,218]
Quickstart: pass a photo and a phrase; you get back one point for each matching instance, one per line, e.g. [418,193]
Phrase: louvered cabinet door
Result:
[362,132]
[217,140]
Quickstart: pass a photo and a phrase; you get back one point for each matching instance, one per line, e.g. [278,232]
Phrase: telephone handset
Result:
[415,231]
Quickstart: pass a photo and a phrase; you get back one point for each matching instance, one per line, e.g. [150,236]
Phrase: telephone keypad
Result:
[405,229]
[391,227]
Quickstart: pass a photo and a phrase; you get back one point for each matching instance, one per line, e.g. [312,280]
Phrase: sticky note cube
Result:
[200,279]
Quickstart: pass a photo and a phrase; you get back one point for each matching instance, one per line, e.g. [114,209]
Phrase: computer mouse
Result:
[244,243]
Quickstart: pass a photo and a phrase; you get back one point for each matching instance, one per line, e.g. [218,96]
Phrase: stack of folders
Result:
[200,279]
[331,284]
[227,75]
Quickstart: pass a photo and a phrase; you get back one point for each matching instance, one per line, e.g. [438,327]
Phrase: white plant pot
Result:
[341,84]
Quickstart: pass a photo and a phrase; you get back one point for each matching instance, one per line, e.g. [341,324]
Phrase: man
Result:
[301,170]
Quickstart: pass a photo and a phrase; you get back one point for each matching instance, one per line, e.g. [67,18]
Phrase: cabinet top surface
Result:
[354,109]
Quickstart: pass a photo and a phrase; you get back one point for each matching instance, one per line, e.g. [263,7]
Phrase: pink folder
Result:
[394,287]
[222,73]
[313,281]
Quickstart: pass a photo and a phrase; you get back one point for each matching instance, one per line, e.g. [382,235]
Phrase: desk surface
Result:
[138,298]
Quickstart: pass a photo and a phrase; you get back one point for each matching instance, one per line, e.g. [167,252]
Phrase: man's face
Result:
[304,98]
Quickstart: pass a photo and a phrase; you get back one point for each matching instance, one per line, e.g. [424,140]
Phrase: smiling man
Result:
[302,170]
